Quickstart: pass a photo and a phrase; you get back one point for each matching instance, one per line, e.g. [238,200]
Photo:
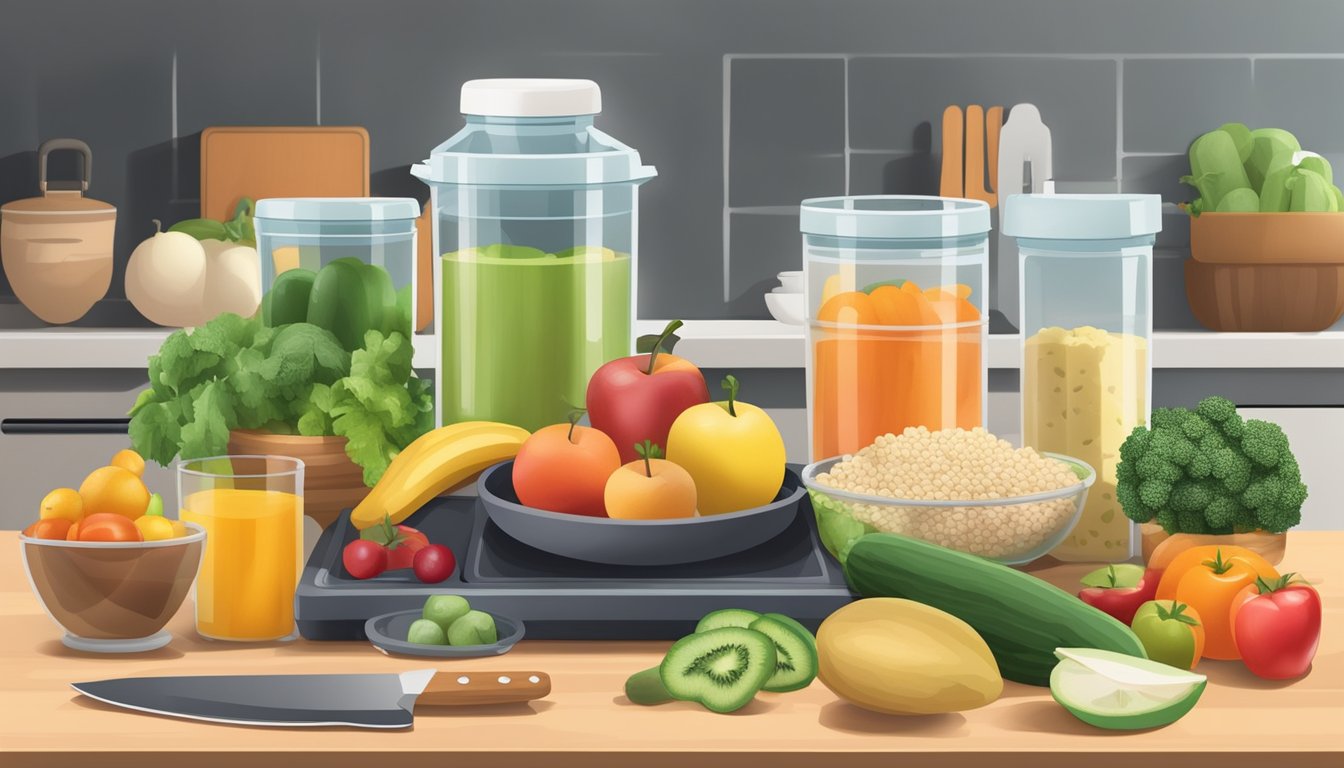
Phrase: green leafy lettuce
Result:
[234,373]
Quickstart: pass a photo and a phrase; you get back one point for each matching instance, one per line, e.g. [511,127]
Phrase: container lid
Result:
[338,208]
[530,97]
[537,147]
[894,217]
[1082,217]
[59,202]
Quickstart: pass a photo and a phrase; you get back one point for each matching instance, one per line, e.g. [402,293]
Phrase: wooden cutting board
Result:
[280,161]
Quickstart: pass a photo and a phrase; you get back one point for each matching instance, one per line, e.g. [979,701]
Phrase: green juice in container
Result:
[535,216]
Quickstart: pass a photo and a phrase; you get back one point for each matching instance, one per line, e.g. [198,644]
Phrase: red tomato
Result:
[364,559]
[51,528]
[108,526]
[1122,602]
[434,564]
[1277,626]
[400,541]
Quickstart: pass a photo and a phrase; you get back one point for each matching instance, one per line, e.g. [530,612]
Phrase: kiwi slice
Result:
[647,688]
[722,669]
[728,617]
[795,652]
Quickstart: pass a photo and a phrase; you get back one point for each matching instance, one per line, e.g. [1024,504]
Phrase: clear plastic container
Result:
[535,230]
[1087,325]
[896,316]
[346,264]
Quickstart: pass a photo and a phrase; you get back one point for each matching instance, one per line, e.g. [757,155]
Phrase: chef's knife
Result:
[296,701]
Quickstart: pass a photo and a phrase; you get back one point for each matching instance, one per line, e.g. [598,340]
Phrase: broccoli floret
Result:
[1216,409]
[1192,497]
[1232,469]
[1155,466]
[1154,493]
[1207,470]
[1264,443]
[1201,466]
[1172,445]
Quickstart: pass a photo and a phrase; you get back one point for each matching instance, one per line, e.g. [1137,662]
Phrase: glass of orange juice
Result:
[251,508]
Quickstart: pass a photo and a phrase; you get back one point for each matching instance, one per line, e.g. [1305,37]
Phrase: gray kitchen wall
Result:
[745,106]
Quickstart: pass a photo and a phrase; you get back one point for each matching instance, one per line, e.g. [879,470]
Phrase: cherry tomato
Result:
[1277,626]
[364,559]
[434,563]
[108,526]
[400,541]
[51,528]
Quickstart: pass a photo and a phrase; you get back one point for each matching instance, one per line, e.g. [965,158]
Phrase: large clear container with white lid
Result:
[896,316]
[347,264]
[536,225]
[1087,325]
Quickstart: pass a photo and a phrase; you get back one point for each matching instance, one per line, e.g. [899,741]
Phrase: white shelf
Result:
[712,344]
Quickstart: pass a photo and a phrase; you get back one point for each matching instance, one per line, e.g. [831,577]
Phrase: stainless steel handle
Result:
[51,145]
[63,426]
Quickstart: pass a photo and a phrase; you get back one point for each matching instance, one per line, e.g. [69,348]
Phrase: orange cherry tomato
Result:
[108,526]
[1208,579]
[51,528]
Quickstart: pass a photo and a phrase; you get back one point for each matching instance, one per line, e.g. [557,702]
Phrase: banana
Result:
[436,462]
[410,456]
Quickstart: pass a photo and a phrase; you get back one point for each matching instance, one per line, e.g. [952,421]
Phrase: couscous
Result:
[954,465]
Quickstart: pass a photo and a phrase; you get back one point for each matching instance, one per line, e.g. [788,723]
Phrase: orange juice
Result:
[252,561]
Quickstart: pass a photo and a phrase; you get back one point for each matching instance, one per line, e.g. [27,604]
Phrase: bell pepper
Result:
[287,301]
[350,298]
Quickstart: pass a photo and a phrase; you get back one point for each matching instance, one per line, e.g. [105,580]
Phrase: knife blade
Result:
[299,701]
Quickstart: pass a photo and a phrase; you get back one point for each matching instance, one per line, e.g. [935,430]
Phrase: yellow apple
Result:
[732,450]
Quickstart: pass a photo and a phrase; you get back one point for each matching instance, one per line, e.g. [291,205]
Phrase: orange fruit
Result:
[51,528]
[114,490]
[849,308]
[632,494]
[62,504]
[130,461]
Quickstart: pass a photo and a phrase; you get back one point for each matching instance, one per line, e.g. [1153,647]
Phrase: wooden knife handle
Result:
[455,689]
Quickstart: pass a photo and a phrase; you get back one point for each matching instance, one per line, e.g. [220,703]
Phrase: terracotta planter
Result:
[1266,271]
[1268,545]
[331,481]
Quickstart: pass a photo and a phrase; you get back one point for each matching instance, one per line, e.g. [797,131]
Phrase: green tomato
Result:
[1171,632]
[474,628]
[425,632]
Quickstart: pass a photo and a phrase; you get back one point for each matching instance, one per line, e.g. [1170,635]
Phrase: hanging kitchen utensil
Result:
[57,249]
[967,139]
[1024,143]
[1025,165]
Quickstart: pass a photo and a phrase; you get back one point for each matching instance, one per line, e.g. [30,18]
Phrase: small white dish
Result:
[792,282]
[787,308]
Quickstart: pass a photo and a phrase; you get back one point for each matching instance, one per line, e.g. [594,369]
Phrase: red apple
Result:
[637,398]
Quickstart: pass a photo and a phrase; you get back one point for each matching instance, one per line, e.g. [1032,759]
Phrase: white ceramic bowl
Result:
[786,307]
[792,282]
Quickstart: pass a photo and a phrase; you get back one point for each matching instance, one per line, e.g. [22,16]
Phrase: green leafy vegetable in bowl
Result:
[236,373]
[1238,170]
[1208,471]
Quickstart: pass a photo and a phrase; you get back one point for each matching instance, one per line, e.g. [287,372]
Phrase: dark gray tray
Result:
[565,599]
[636,542]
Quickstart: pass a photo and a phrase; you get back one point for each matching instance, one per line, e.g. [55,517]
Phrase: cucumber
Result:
[1020,617]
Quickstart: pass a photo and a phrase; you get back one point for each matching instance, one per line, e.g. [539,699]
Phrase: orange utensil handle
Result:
[455,689]
[951,182]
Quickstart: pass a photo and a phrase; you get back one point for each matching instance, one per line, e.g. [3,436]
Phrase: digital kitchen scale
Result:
[563,599]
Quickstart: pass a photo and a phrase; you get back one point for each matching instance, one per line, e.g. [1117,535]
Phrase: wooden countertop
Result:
[587,721]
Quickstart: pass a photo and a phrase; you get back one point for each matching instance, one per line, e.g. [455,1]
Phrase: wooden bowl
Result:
[1265,297]
[331,481]
[1268,238]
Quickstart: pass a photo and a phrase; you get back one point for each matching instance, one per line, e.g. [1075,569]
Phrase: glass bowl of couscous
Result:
[962,489]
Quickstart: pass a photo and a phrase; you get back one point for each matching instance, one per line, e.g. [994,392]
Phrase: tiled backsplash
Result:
[745,106]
